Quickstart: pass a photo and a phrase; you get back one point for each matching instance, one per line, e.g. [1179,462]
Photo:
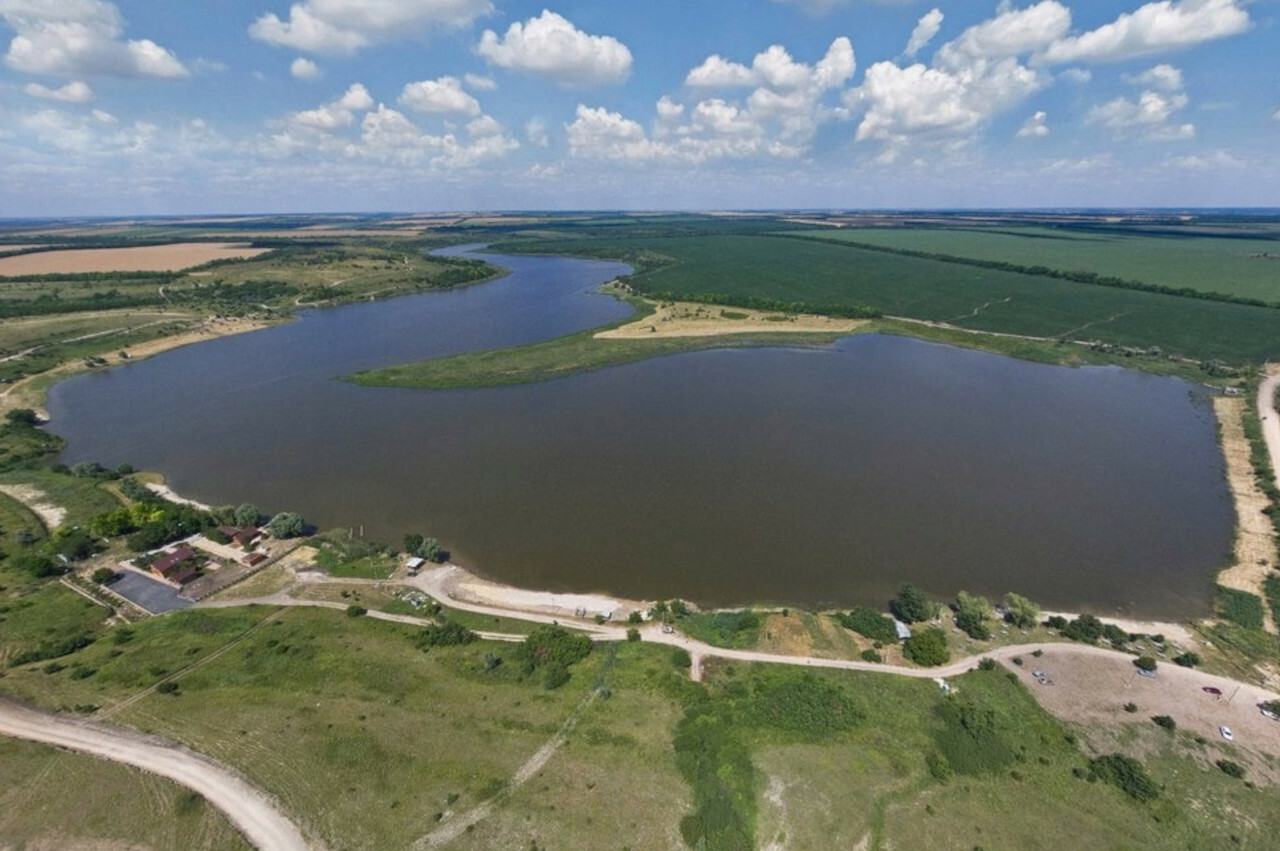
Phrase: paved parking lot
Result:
[154,596]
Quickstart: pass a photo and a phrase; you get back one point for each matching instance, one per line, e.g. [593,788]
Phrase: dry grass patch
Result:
[150,258]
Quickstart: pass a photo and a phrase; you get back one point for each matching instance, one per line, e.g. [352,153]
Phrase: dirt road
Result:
[247,808]
[1270,418]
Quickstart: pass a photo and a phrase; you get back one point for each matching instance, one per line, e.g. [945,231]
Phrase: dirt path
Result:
[458,826]
[1270,417]
[1255,546]
[246,807]
[50,515]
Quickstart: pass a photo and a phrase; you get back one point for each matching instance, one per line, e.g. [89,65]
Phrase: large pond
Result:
[796,476]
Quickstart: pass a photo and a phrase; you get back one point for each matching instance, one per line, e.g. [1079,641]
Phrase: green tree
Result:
[103,575]
[22,417]
[927,647]
[1020,611]
[912,605]
[432,551]
[412,543]
[972,612]
[1145,663]
[286,524]
[246,514]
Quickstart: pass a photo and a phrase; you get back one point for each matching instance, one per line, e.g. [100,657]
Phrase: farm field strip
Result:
[1242,267]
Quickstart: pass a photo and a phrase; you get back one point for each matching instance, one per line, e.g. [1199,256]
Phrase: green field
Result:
[1241,267]
[51,798]
[966,296]
[374,743]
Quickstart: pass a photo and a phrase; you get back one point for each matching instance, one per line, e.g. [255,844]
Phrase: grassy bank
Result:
[563,356]
[51,798]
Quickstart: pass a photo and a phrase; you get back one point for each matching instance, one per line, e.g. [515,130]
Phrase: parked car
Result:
[1268,713]
[1227,734]
[1148,674]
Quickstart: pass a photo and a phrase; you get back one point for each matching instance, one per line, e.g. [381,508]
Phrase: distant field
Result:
[151,258]
[970,297]
[1241,267]
[43,330]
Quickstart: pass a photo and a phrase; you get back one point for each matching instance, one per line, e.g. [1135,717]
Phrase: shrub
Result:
[1145,663]
[1165,721]
[1086,628]
[1020,611]
[1231,769]
[548,645]
[912,605]
[1056,622]
[800,703]
[1125,773]
[354,611]
[635,618]
[1187,660]
[927,647]
[680,658]
[1241,607]
[554,676]
[972,612]
[1131,707]
[869,623]
[169,687]
[871,656]
[444,635]
[633,634]
[987,664]
[103,575]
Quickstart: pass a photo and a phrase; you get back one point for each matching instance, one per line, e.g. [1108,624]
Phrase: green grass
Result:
[739,630]
[45,615]
[974,298]
[81,497]
[352,559]
[1241,607]
[1231,266]
[51,798]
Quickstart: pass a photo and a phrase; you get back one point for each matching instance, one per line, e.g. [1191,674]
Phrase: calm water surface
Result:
[796,476]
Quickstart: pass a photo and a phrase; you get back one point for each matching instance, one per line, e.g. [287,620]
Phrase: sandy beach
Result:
[686,319]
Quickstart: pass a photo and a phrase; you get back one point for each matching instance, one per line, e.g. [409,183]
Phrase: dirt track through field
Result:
[249,809]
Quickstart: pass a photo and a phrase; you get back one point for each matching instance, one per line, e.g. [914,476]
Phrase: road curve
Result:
[250,810]
[1270,420]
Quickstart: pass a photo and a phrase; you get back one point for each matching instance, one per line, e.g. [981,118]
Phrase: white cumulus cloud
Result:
[304,69]
[479,83]
[1147,117]
[76,91]
[924,32]
[551,46]
[80,38]
[1035,126]
[347,26]
[442,96]
[1164,25]
[336,114]
[1162,76]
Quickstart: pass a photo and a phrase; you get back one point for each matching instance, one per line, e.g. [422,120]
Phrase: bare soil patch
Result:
[1090,690]
[1255,547]
[150,258]
[687,319]
[36,499]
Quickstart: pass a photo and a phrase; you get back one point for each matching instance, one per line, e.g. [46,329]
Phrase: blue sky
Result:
[239,106]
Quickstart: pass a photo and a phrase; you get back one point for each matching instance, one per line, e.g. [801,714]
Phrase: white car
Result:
[1227,734]
[1268,713]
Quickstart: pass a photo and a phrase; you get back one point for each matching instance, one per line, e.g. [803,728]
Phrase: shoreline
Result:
[33,390]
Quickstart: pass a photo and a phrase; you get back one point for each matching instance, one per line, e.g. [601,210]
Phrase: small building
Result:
[245,536]
[177,567]
[253,559]
[415,563]
[904,631]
